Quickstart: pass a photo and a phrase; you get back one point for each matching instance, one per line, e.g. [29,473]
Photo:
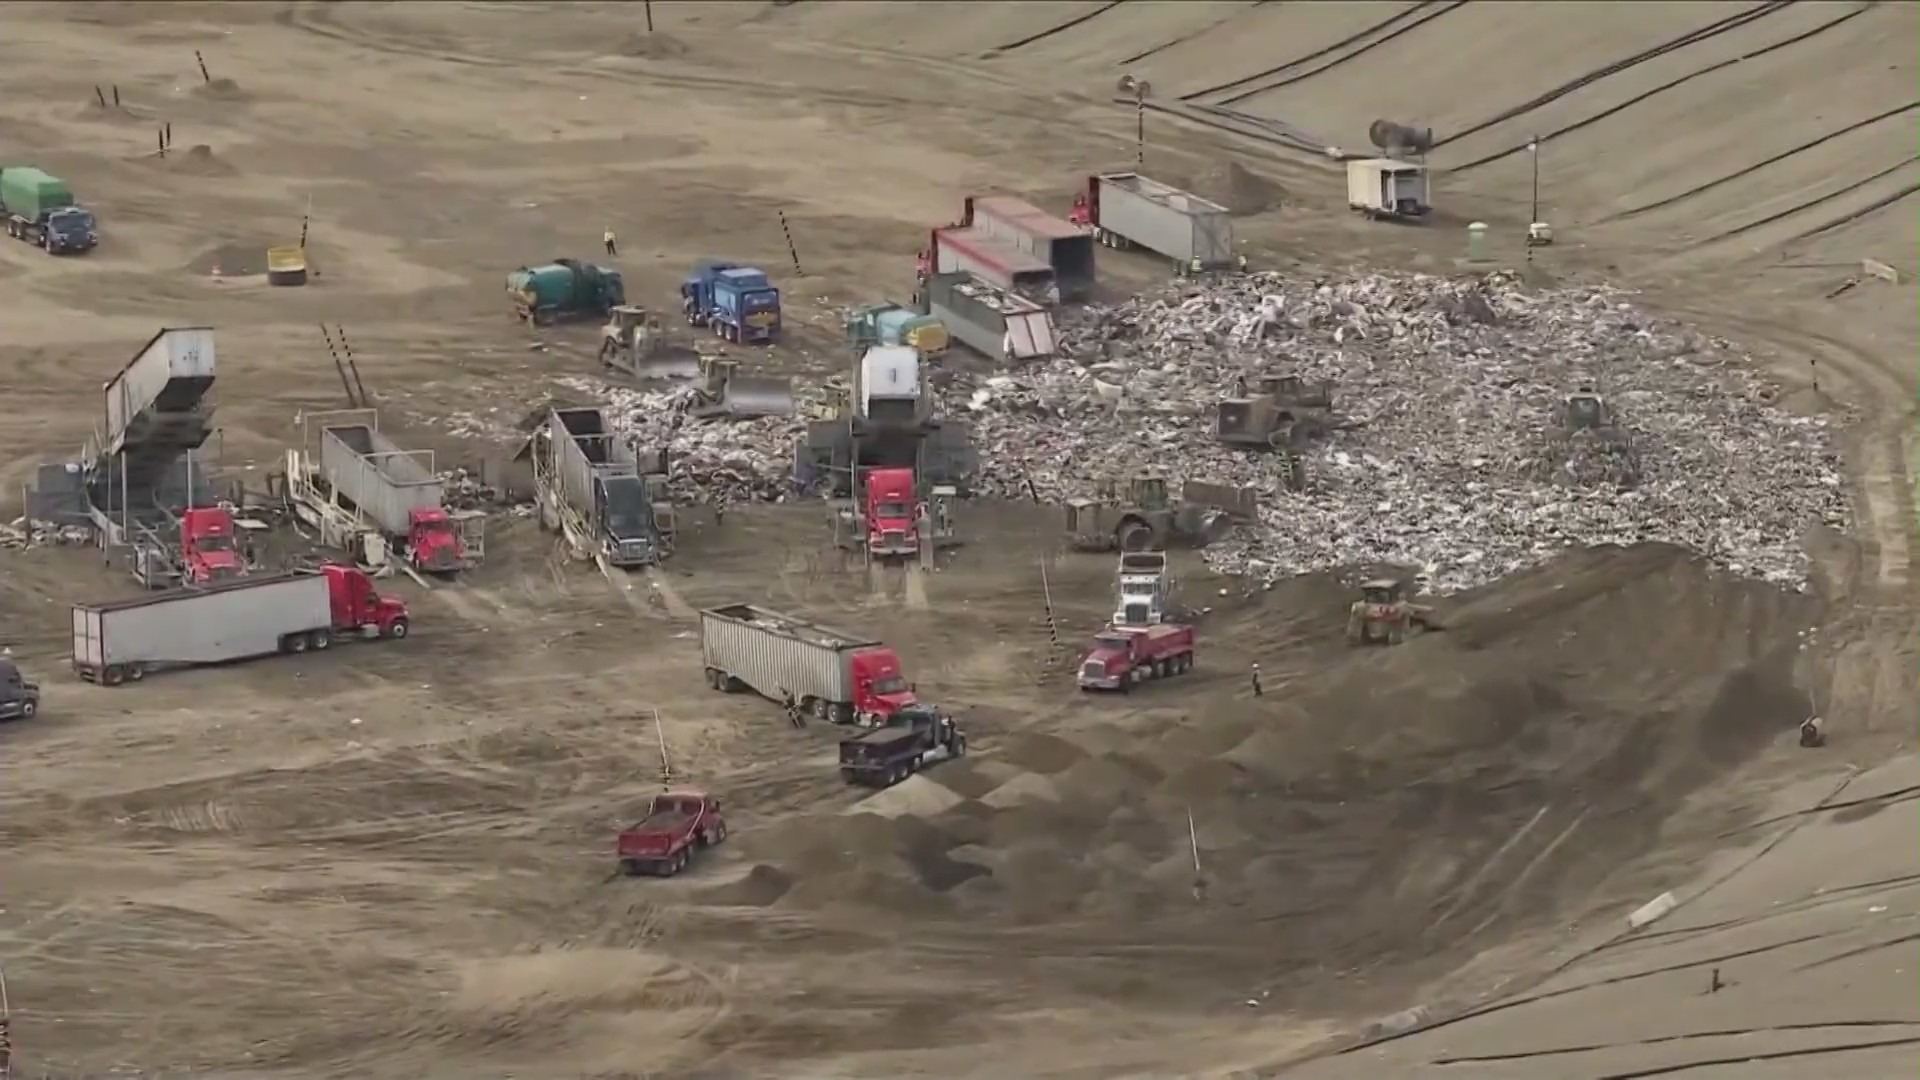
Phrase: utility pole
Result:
[1139,88]
[1533,152]
[649,7]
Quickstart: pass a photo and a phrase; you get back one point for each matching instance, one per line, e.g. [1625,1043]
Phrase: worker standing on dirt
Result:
[1256,681]
[794,714]
[607,239]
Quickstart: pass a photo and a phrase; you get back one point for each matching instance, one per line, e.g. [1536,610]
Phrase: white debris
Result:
[1447,390]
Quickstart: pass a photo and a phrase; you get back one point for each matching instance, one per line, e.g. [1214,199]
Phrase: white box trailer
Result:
[1385,188]
[251,616]
[828,672]
[992,322]
[1130,210]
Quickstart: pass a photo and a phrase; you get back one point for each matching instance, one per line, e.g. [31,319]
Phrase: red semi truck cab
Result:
[433,544]
[208,550]
[892,513]
[357,605]
[880,688]
[1123,656]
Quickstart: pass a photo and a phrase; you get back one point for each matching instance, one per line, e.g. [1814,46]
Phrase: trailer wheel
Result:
[823,710]
[136,672]
[296,643]
[321,639]
[111,675]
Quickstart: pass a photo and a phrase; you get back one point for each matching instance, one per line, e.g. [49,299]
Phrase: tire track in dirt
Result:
[1694,37]
[1188,36]
[1820,200]
[1344,42]
[1749,170]
[1672,84]
[1871,208]
[309,17]
[1303,76]
[1078,20]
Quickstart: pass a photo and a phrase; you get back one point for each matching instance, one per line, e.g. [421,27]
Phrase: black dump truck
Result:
[19,696]
[913,738]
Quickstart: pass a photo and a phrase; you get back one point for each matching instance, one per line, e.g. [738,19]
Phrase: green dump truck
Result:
[40,209]
[565,289]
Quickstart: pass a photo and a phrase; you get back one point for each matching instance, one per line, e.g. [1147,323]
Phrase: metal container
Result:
[166,379]
[1383,187]
[775,654]
[993,322]
[1175,223]
[1059,243]
[31,193]
[992,259]
[248,616]
[385,483]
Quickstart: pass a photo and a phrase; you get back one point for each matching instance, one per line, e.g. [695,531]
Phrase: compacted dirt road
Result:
[393,860]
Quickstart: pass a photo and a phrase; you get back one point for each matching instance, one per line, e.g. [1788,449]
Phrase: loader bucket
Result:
[756,395]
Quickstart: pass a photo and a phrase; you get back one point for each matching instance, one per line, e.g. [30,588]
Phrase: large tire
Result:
[399,630]
[136,672]
[29,709]
[320,640]
[111,675]
[297,643]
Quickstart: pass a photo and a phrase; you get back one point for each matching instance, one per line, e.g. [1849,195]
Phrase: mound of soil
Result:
[655,46]
[222,89]
[231,260]
[763,885]
[1483,774]
[200,160]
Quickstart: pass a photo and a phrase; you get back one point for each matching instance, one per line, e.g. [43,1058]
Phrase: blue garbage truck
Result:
[40,209]
[737,302]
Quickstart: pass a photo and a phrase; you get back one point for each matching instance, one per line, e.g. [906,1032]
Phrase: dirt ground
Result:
[393,860]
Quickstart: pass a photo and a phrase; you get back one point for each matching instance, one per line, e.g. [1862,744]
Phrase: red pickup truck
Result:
[664,841]
[1122,656]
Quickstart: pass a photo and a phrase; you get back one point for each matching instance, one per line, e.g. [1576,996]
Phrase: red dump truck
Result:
[677,824]
[123,640]
[1121,657]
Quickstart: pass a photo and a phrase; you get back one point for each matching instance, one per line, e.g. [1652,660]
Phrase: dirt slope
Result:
[393,860]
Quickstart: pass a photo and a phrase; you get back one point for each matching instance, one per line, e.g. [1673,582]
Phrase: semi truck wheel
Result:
[111,675]
[136,672]
[321,639]
[28,709]
[296,643]
[398,630]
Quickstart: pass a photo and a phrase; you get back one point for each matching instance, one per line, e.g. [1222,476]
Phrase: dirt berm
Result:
[1391,804]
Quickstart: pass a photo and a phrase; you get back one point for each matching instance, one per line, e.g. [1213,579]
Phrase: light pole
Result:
[1533,151]
[1139,88]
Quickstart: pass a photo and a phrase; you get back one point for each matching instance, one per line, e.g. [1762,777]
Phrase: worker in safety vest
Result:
[607,239]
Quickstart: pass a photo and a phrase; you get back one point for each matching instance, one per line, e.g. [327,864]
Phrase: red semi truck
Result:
[1121,657]
[831,674]
[677,824]
[885,517]
[244,617]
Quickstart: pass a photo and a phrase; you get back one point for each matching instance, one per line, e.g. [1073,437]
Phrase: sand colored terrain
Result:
[395,860]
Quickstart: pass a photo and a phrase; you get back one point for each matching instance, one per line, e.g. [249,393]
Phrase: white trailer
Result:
[1386,188]
[385,483]
[829,673]
[160,391]
[247,617]
[997,324]
[1129,210]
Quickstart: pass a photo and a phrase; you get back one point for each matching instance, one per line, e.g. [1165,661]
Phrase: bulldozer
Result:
[633,342]
[723,391]
[1279,412]
[1586,426]
[1140,516]
[1384,616]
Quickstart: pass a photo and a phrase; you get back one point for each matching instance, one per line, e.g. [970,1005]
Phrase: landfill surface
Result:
[1441,458]
[395,860]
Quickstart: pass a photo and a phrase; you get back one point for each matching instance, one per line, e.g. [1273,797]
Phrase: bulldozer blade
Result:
[682,367]
[756,395]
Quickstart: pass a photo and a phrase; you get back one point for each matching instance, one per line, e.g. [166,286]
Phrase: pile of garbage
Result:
[1446,398]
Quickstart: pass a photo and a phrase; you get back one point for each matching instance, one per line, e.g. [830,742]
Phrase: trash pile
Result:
[1446,396]
[1444,453]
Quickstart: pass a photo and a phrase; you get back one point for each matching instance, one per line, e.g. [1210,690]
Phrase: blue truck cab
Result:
[738,302]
